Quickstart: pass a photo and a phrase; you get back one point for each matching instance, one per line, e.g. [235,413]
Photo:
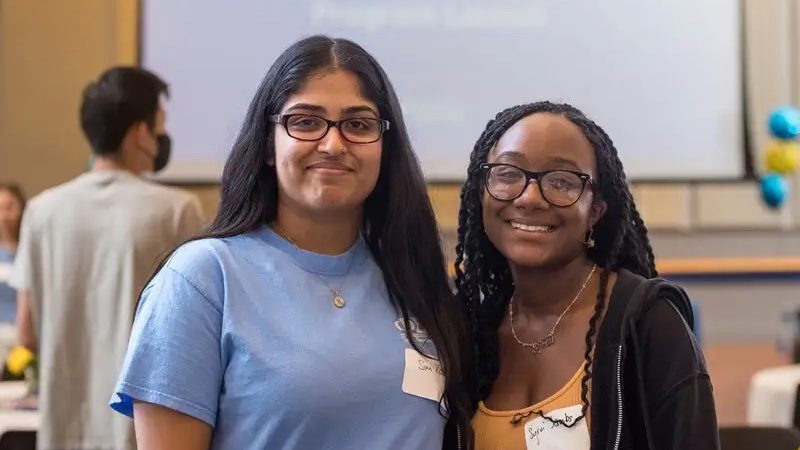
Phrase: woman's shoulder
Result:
[661,313]
[212,254]
[655,316]
[206,262]
[204,255]
[644,303]
[205,266]
[635,295]
[668,350]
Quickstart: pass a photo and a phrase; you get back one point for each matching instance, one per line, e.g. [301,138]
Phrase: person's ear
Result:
[598,210]
[143,136]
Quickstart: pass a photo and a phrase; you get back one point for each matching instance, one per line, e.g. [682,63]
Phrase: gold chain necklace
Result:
[337,297]
[539,345]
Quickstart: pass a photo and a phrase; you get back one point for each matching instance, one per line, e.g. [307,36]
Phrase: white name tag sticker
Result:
[423,376]
[541,433]
[5,272]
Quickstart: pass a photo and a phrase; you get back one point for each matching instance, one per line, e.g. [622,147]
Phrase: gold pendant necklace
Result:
[539,345]
[336,296]
[338,300]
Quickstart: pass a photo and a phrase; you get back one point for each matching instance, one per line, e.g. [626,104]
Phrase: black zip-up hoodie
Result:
[650,385]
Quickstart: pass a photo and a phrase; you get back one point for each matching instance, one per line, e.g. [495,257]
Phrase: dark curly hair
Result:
[483,277]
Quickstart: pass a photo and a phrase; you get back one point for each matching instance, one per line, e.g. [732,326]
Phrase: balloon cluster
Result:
[782,155]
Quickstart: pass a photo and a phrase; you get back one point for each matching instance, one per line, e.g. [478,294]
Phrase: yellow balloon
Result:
[783,157]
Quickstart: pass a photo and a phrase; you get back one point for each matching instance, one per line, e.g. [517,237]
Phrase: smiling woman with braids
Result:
[575,340]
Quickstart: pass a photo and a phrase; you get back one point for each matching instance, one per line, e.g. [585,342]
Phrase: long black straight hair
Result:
[399,224]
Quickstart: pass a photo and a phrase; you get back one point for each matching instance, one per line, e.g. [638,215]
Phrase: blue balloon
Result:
[774,190]
[784,122]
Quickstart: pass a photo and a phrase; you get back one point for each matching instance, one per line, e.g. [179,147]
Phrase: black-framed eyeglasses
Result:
[308,127]
[507,182]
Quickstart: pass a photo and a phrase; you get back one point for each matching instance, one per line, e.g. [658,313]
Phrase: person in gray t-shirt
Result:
[86,249]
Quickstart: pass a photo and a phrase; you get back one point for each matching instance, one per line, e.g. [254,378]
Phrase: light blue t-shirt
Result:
[8,296]
[240,333]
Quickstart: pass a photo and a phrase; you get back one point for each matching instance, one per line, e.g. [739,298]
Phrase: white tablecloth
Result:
[773,393]
[12,419]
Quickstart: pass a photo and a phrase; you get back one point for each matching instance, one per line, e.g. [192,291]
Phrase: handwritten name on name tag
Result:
[543,434]
[423,376]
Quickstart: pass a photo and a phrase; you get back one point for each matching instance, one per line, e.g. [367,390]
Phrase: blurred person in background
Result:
[12,203]
[86,249]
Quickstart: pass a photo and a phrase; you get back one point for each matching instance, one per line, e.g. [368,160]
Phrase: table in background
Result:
[773,396]
[15,419]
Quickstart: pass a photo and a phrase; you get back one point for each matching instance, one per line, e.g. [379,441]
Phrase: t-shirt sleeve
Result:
[174,356]
[191,219]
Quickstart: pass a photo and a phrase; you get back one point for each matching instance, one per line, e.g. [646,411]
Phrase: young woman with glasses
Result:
[576,347]
[303,319]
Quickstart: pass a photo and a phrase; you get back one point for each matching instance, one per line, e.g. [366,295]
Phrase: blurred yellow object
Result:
[19,359]
[783,157]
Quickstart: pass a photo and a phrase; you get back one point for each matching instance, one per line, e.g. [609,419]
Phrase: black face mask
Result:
[164,149]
